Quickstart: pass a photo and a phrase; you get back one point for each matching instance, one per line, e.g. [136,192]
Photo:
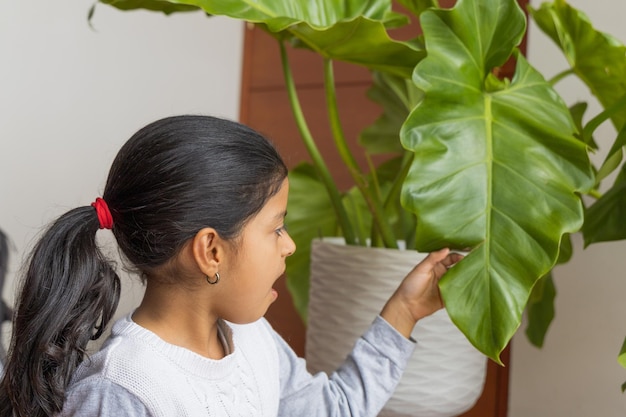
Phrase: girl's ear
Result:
[208,250]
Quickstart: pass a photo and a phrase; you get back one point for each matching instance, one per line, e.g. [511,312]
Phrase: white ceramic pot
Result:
[349,286]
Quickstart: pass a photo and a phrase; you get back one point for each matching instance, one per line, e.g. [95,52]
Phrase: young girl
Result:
[197,206]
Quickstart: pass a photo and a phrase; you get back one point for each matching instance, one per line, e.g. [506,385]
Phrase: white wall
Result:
[70,96]
[576,373]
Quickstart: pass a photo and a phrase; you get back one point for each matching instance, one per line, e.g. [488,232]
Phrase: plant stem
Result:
[372,202]
[394,198]
[394,194]
[375,238]
[558,77]
[595,194]
[316,157]
[594,123]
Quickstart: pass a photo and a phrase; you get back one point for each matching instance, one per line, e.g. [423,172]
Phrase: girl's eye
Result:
[280,230]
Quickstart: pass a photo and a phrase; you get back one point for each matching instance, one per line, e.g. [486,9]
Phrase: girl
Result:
[197,206]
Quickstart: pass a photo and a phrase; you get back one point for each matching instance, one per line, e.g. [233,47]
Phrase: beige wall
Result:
[576,374]
[71,95]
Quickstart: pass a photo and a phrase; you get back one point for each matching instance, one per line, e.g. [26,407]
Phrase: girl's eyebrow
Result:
[281,215]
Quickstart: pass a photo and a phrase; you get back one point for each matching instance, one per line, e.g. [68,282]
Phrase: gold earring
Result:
[215,281]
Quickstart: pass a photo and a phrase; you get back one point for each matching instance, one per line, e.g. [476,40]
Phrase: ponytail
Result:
[69,294]
[5,310]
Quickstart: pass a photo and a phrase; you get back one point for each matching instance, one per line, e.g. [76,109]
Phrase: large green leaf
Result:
[352,30]
[164,6]
[540,310]
[597,58]
[604,220]
[497,167]
[361,41]
[540,307]
[279,14]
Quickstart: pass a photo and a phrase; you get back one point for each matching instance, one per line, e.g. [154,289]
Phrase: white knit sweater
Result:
[138,374]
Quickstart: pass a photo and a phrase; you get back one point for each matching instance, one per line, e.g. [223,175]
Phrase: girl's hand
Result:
[418,295]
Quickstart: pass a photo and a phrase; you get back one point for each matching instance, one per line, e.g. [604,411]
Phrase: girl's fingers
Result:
[452,259]
[436,257]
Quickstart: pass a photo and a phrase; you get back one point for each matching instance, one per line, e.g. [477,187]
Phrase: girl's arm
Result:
[98,397]
[360,387]
[365,381]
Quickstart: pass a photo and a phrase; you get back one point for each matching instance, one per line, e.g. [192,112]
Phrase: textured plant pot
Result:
[349,286]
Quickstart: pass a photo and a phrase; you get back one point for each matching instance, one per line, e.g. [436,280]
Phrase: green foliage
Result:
[468,184]
[540,310]
[595,57]
[496,166]
[396,96]
[310,216]
[606,219]
[353,30]
[621,358]
[154,5]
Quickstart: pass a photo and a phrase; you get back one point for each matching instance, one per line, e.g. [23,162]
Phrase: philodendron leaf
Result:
[497,167]
[276,13]
[614,157]
[164,6]
[397,96]
[540,307]
[604,220]
[597,58]
[361,41]
[350,30]
[577,111]
[418,6]
[540,310]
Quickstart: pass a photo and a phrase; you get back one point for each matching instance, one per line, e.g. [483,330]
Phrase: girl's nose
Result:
[290,247]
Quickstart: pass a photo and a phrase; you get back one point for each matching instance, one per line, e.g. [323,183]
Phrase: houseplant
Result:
[485,126]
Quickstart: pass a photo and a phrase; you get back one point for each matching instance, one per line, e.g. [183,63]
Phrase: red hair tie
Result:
[104,214]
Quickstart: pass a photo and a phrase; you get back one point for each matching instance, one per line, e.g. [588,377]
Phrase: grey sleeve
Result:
[360,387]
[98,397]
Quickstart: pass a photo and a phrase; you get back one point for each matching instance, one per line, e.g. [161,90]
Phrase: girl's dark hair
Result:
[5,310]
[171,179]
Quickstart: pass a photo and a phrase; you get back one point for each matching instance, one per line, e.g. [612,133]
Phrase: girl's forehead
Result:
[275,208]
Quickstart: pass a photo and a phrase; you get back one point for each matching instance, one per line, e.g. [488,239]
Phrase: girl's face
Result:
[248,273]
